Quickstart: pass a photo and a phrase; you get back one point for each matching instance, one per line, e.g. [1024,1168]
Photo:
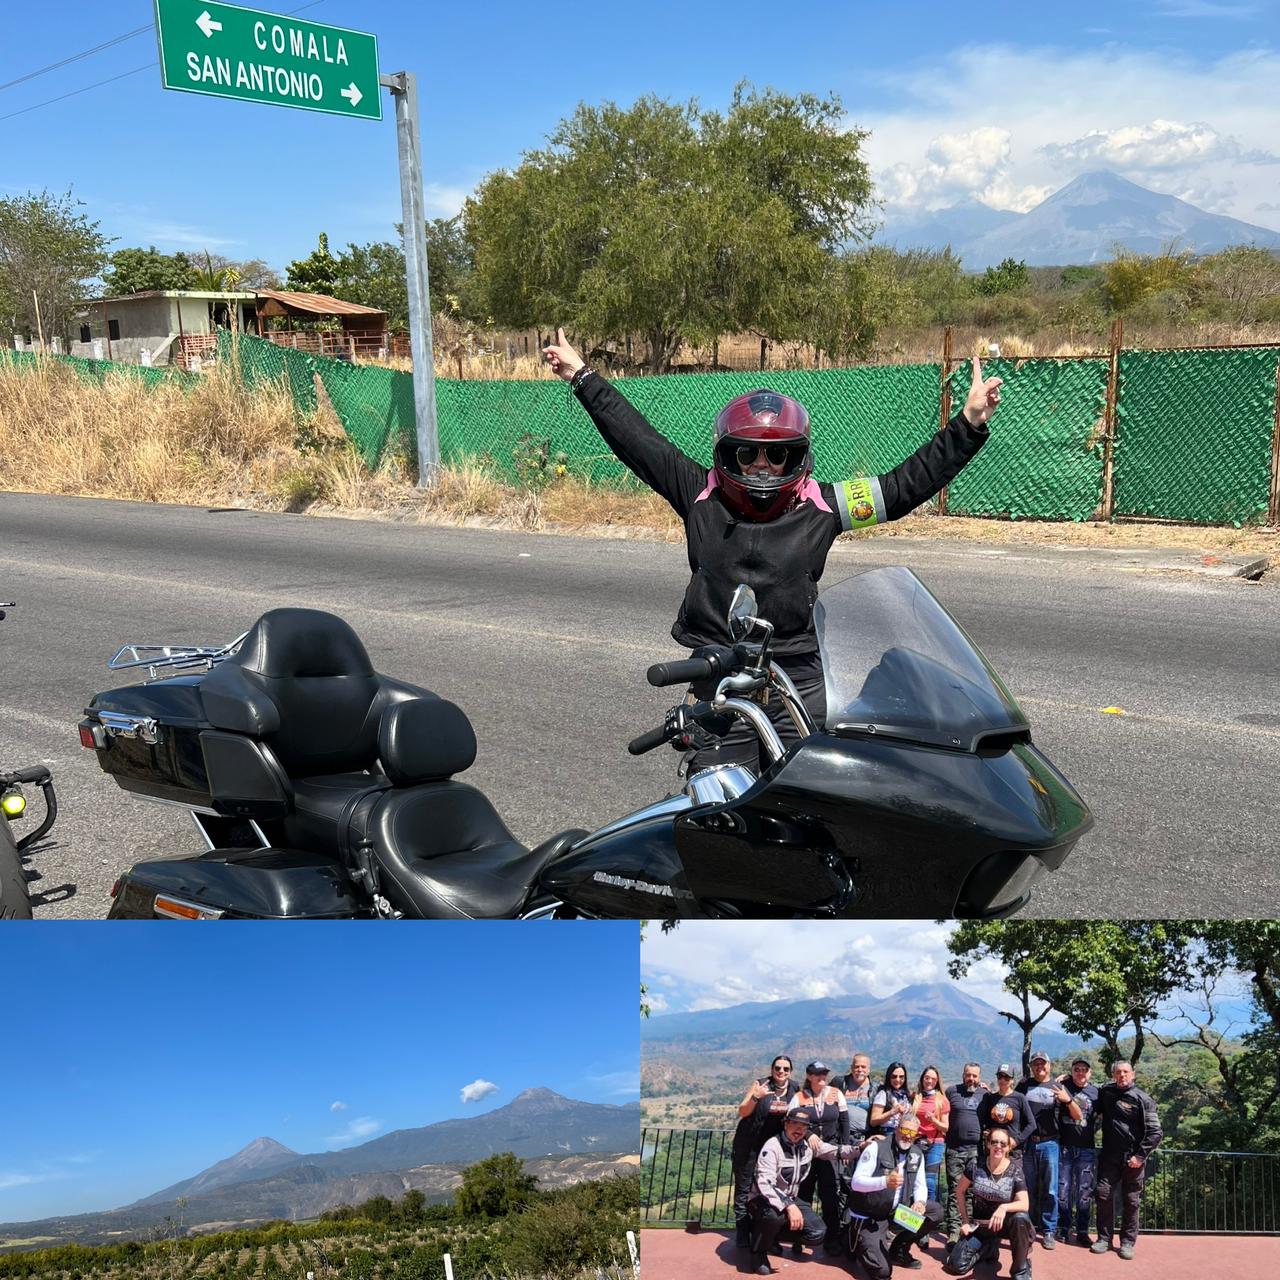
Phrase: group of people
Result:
[1021,1160]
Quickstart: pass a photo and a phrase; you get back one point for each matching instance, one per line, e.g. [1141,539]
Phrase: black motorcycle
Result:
[323,789]
[15,898]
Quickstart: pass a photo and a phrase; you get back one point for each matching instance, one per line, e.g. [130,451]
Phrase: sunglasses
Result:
[782,1068]
[998,1145]
[776,454]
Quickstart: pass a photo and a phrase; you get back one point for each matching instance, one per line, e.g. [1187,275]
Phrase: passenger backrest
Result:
[303,683]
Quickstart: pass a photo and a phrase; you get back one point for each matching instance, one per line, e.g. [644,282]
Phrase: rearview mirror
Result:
[742,612]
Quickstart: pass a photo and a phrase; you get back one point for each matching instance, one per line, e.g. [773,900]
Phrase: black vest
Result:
[880,1204]
[828,1127]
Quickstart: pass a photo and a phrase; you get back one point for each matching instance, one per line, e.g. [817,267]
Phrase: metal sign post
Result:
[228,51]
[404,89]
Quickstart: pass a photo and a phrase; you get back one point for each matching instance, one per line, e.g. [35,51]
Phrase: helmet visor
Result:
[763,465]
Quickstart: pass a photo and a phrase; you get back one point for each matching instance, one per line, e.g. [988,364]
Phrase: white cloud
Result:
[444,201]
[734,962]
[356,1130]
[1205,9]
[617,1084]
[657,1001]
[1006,125]
[337,1106]
[1162,144]
[477,1090]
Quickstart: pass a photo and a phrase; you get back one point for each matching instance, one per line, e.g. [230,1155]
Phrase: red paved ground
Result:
[710,1255]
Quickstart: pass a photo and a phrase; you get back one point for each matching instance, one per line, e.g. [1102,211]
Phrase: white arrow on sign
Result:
[208,24]
[352,94]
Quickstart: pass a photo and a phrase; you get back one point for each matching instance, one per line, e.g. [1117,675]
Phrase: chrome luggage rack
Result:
[165,660]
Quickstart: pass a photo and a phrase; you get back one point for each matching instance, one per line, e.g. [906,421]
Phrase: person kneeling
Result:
[1000,1209]
[775,1205]
[888,1188]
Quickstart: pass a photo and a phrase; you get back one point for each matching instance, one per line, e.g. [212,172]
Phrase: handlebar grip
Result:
[683,672]
[647,741]
[37,774]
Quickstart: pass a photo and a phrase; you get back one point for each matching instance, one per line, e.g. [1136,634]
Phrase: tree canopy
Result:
[50,254]
[495,1187]
[137,270]
[674,222]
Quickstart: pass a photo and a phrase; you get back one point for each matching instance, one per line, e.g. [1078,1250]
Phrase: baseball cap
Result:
[1039,1056]
[1004,1069]
[801,1113]
[1078,1062]
[817,1069]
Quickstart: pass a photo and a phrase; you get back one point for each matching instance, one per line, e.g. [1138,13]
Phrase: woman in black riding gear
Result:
[759,517]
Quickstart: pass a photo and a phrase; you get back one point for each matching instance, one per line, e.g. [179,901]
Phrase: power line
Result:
[75,57]
[63,96]
[128,35]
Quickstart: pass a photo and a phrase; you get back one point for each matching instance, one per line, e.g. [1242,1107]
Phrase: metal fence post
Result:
[1273,507]
[1109,422]
[944,402]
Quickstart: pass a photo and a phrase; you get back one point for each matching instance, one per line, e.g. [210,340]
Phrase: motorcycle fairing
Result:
[882,828]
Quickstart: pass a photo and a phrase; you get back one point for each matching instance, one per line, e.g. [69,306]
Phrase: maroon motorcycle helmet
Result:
[768,420]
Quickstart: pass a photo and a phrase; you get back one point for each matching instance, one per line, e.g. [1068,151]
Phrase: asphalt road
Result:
[544,640]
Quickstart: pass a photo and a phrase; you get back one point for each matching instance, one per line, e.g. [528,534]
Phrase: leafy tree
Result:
[494,1187]
[1104,977]
[48,251]
[449,267]
[1244,279]
[136,270]
[1009,277]
[410,1208]
[374,276]
[1130,277]
[1251,1078]
[671,221]
[316,273]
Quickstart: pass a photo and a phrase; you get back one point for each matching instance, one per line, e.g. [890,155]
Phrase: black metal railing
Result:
[686,1177]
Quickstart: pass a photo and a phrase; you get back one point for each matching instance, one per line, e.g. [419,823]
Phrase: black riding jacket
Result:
[780,559]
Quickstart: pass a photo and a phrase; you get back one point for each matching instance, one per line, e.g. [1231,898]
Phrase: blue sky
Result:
[1004,104]
[138,1055]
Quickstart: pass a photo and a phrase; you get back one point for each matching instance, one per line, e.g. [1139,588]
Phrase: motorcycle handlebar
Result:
[686,671]
[38,774]
[647,741]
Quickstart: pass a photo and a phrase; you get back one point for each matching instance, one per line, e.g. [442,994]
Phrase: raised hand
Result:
[984,396]
[564,360]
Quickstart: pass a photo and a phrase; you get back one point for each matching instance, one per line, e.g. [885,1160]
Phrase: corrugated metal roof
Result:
[318,304]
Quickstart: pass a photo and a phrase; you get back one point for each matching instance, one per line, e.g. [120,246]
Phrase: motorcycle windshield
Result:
[898,665]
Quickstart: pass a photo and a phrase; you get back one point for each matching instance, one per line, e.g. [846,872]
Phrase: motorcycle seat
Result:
[443,852]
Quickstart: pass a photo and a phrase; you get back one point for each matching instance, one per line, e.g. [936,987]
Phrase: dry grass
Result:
[217,444]
[124,439]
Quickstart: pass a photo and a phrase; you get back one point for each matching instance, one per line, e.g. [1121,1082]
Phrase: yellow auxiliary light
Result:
[13,803]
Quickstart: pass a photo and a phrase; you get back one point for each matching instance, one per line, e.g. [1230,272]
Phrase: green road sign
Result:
[230,52]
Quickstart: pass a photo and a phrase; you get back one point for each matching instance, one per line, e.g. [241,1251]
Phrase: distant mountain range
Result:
[1080,223]
[561,1140]
[920,1024]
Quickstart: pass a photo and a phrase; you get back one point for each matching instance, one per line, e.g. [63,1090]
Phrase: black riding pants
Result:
[769,1224]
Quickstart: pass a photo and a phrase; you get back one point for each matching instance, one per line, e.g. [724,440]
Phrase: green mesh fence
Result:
[864,420]
[1193,440]
[99,370]
[1194,430]
[262,362]
[1044,456]
[375,406]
